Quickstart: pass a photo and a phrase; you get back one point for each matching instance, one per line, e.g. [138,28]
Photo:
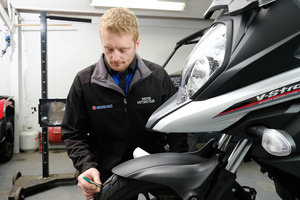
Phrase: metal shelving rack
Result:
[25,185]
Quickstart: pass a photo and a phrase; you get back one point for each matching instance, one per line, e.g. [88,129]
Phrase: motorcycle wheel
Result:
[120,188]
[8,151]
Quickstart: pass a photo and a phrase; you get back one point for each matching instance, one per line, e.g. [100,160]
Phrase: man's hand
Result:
[89,190]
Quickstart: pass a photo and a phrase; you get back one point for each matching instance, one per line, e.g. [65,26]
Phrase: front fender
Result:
[187,174]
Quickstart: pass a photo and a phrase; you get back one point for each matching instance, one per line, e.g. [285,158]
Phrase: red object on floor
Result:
[2,101]
[54,136]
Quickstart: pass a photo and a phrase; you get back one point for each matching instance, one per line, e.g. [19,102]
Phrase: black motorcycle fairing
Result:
[233,7]
[187,174]
[237,27]
[270,41]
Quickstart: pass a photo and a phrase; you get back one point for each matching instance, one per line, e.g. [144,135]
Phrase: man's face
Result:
[119,50]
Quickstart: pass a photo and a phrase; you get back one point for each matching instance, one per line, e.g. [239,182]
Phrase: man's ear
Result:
[137,44]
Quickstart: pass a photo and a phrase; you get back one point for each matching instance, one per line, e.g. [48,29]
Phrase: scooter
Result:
[243,80]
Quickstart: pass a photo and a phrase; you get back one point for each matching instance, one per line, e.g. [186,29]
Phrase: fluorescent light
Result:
[173,5]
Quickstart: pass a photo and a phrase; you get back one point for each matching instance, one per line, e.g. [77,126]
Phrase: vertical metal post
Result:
[34,184]
[45,151]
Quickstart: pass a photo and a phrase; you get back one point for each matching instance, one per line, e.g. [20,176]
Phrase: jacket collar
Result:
[101,76]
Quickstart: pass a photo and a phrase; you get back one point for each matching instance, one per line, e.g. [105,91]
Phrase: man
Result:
[110,102]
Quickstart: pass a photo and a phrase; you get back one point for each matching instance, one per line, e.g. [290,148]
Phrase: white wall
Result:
[72,48]
[4,67]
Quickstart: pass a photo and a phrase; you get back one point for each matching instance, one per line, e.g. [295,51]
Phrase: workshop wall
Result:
[4,68]
[76,46]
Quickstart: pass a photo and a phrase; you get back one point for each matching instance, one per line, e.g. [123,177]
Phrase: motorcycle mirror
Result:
[51,112]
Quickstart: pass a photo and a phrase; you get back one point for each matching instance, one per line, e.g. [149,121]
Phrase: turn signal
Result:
[275,142]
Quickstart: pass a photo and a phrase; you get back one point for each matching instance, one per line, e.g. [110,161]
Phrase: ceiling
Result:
[194,9]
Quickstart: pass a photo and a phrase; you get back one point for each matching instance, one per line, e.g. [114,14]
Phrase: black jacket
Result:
[102,126]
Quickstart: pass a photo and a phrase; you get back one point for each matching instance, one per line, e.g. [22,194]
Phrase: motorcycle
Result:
[242,80]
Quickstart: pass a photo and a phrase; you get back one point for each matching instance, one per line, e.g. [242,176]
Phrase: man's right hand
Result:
[89,190]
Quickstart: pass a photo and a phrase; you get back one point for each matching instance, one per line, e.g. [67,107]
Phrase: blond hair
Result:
[120,21]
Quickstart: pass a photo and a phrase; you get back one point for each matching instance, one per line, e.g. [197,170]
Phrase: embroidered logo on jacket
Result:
[146,100]
[102,107]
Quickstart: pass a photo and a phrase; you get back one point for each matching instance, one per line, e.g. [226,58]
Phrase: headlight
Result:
[205,59]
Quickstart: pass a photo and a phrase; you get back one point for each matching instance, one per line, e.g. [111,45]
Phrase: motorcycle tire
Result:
[120,188]
[8,151]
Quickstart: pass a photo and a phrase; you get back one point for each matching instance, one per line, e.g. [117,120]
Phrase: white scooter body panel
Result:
[209,115]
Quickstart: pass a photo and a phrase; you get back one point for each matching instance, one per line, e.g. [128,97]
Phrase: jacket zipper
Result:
[126,118]
[125,104]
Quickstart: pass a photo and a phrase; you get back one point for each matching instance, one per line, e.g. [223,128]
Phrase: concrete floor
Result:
[59,163]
